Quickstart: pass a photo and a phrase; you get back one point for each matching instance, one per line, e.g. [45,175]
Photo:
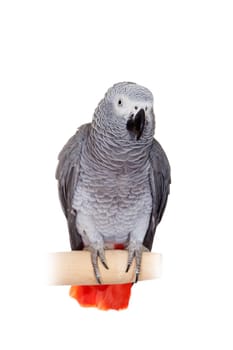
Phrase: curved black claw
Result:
[135,249]
[95,253]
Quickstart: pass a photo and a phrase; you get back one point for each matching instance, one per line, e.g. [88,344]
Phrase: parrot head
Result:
[127,107]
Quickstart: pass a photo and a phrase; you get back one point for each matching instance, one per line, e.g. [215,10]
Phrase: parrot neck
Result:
[113,150]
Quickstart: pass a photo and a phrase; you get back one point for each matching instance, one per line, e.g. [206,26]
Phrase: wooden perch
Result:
[74,268]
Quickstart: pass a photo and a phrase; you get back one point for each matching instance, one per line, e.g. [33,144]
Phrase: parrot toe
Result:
[102,257]
[95,254]
[135,249]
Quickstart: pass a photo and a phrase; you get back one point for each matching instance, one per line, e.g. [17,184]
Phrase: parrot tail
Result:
[105,296]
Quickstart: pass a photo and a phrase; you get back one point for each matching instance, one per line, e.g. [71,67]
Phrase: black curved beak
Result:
[135,124]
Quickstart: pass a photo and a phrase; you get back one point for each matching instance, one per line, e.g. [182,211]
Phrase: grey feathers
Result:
[67,174]
[68,166]
[160,179]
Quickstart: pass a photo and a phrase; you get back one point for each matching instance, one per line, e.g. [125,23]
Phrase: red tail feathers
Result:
[104,297]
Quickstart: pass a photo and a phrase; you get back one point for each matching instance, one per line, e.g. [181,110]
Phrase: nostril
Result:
[131,115]
[146,108]
[136,107]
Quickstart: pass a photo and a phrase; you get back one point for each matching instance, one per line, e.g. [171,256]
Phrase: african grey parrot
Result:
[114,177]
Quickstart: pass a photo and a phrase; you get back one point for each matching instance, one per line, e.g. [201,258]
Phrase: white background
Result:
[57,60]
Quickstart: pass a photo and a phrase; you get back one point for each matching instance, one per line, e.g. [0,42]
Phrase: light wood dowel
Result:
[74,268]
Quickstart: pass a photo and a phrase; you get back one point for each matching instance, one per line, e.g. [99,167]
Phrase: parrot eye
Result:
[119,102]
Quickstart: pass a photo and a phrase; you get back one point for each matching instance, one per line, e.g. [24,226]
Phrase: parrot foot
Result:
[95,254]
[135,249]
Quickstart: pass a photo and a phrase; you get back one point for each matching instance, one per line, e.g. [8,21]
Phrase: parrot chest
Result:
[112,204]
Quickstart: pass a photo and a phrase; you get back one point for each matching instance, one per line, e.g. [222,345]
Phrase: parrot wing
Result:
[67,174]
[160,179]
